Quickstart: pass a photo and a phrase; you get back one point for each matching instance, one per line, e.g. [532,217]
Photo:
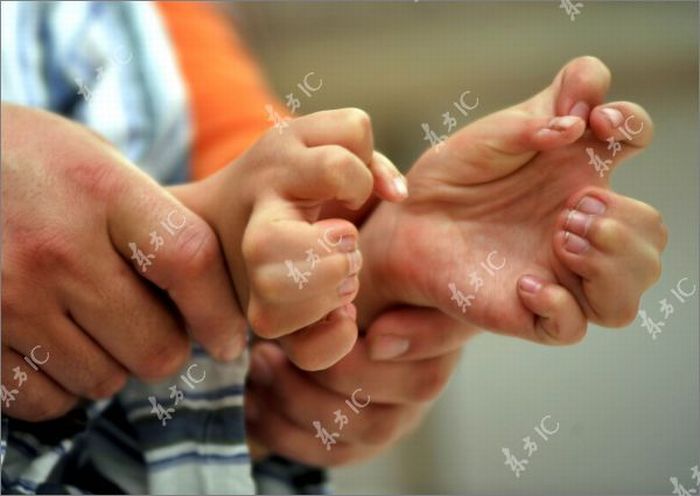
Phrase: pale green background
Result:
[628,406]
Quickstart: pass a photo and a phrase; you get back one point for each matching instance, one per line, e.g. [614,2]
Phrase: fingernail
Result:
[348,286]
[347,243]
[581,109]
[260,371]
[350,311]
[388,347]
[574,243]
[400,186]
[530,284]
[613,116]
[562,123]
[577,222]
[354,262]
[234,348]
[591,205]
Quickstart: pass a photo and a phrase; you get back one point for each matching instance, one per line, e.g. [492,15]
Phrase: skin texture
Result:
[266,206]
[458,192]
[506,182]
[71,206]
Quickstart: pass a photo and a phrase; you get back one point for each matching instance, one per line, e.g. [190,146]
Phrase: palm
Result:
[447,229]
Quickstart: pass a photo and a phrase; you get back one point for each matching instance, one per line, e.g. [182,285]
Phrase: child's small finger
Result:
[613,243]
[389,183]
[608,220]
[558,318]
[625,122]
[331,172]
[351,128]
[324,343]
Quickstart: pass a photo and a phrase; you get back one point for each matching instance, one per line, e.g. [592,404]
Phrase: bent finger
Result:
[558,319]
[38,398]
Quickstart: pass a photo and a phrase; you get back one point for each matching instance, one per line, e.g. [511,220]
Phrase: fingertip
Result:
[624,122]
[234,347]
[324,343]
[389,183]
[558,131]
[529,285]
[558,320]
[581,110]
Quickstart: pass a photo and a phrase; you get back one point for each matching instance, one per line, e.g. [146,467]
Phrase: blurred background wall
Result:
[628,406]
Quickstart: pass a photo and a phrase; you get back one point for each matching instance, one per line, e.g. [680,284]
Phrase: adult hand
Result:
[511,226]
[401,365]
[75,216]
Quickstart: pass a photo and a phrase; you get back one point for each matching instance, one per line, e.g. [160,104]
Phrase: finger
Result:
[616,252]
[415,334]
[558,319]
[350,128]
[76,362]
[625,122]
[374,423]
[508,139]
[400,383]
[281,436]
[128,319]
[389,183]
[321,345]
[330,172]
[601,216]
[177,251]
[38,398]
[316,273]
[581,85]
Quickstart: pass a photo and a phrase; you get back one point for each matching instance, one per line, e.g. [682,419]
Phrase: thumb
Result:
[500,143]
[413,333]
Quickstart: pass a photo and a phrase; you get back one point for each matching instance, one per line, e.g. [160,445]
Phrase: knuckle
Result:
[578,332]
[628,313]
[98,179]
[266,285]
[255,245]
[606,233]
[384,430]
[260,321]
[655,216]
[107,386]
[334,161]
[40,409]
[655,269]
[431,383]
[165,361]
[360,121]
[196,251]
[47,249]
[663,237]
[624,315]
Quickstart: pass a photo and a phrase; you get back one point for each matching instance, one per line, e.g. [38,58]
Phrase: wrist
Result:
[378,288]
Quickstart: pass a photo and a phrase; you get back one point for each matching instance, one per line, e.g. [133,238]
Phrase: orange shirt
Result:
[227,92]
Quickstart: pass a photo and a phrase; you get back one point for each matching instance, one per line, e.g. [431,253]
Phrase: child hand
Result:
[296,276]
